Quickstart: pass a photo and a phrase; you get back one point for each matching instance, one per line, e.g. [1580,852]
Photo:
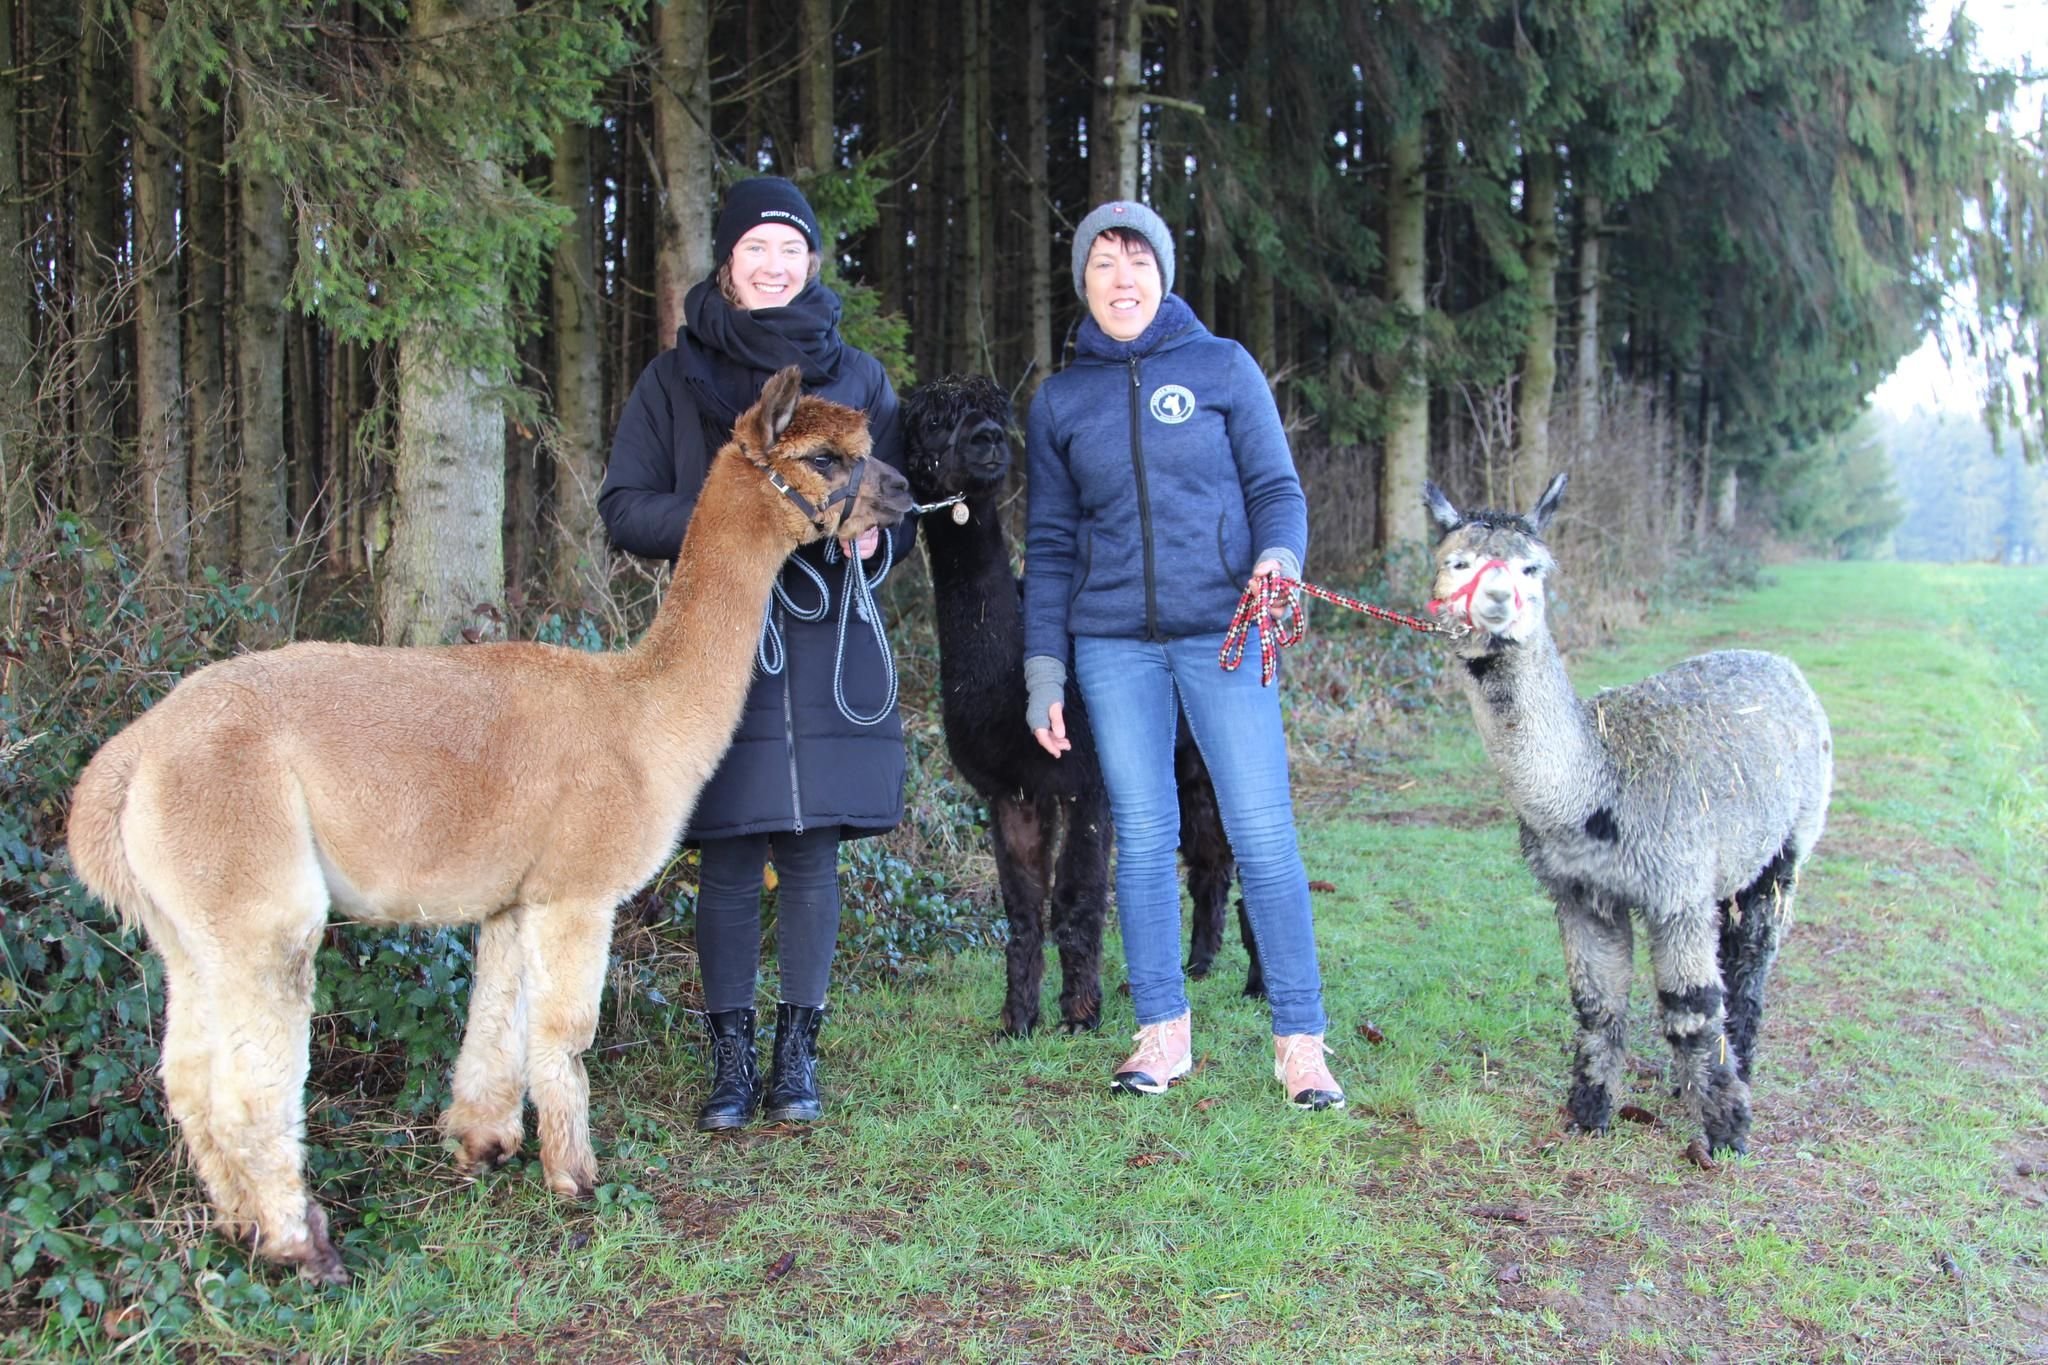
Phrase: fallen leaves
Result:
[1635,1113]
[782,1267]
[1371,1033]
[1696,1153]
[1322,886]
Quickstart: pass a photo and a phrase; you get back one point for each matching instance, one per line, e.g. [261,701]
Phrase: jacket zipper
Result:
[1144,508]
[796,795]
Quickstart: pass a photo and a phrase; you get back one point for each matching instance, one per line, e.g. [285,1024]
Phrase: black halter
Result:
[814,513]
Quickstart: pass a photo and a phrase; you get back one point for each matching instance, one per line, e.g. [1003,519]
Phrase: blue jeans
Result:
[1131,687]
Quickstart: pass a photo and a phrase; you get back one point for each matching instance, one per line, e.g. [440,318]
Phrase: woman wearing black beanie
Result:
[819,754]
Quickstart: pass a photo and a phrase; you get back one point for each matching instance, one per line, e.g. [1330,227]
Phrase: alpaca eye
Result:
[1460,563]
[823,463]
[1533,570]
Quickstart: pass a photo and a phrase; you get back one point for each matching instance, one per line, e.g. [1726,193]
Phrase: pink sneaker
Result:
[1165,1054]
[1298,1065]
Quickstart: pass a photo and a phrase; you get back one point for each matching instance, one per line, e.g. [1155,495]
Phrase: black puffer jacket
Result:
[798,762]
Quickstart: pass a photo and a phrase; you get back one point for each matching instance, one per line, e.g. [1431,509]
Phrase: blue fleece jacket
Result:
[1159,471]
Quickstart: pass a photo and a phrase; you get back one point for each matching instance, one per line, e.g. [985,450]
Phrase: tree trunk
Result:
[975,323]
[1402,523]
[577,555]
[815,154]
[166,501]
[265,262]
[1104,176]
[95,246]
[1211,216]
[682,137]
[447,554]
[1539,349]
[1586,379]
[1127,98]
[1259,336]
[206,250]
[1037,164]
[17,359]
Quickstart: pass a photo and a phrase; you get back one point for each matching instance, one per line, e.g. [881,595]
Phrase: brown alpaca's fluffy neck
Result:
[703,637]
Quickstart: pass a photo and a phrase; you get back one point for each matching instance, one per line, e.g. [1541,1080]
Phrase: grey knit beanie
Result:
[1124,213]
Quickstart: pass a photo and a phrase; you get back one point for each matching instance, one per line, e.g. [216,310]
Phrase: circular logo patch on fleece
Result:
[1173,404]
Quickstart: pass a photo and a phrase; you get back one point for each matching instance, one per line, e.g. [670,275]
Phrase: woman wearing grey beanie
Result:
[1161,486]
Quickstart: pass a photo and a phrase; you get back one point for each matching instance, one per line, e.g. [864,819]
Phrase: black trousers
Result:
[806,921]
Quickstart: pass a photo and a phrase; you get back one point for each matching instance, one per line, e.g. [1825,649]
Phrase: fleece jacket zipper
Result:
[1144,507]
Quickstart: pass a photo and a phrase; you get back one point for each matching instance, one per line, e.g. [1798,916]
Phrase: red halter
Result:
[1472,587]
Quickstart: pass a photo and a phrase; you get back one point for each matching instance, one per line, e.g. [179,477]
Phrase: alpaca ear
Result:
[1547,505]
[778,400]
[1447,517]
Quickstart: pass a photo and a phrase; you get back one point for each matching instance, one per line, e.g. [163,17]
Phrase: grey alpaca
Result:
[1690,798]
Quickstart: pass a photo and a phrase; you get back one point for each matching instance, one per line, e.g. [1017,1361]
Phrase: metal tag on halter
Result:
[960,514]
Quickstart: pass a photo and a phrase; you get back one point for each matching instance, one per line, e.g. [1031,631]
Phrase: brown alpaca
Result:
[526,787]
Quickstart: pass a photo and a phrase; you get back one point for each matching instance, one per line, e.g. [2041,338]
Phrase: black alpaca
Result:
[957,441]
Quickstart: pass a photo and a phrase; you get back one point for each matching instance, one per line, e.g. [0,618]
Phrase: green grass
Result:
[975,1199]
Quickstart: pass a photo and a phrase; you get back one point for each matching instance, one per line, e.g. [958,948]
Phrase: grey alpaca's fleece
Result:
[1690,798]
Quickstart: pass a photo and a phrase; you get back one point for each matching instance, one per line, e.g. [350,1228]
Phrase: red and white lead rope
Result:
[1259,602]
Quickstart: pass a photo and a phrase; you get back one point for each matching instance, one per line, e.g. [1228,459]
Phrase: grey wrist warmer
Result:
[1045,682]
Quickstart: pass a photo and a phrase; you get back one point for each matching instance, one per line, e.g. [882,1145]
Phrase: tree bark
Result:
[1259,336]
[1586,377]
[206,250]
[682,135]
[1402,524]
[95,306]
[161,444]
[1104,175]
[577,554]
[975,323]
[265,265]
[17,305]
[447,554]
[885,270]
[815,152]
[1539,350]
[1037,164]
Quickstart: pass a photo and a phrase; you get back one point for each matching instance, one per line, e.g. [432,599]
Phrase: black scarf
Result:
[730,353]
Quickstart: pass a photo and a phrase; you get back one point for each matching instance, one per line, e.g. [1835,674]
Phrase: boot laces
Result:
[1301,1063]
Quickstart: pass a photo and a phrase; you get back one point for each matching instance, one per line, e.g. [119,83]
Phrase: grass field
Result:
[977,1199]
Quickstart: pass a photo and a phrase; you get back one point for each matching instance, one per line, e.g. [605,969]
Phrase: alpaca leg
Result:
[565,948]
[1751,926]
[187,1067]
[1690,997]
[1206,851]
[1022,849]
[1599,958]
[1255,973]
[487,1115]
[1080,903]
[261,1034]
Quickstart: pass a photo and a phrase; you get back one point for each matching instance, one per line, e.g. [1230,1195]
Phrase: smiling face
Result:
[1491,569]
[1123,284]
[770,266]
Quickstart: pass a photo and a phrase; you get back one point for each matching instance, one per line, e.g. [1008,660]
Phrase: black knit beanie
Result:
[764,199]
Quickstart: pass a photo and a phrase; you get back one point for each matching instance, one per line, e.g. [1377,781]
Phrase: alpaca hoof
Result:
[573,1186]
[1198,968]
[319,1262]
[1255,988]
[1018,1024]
[1087,1023]
[484,1152]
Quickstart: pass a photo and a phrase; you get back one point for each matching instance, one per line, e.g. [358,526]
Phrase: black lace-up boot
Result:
[793,1083]
[735,1076]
